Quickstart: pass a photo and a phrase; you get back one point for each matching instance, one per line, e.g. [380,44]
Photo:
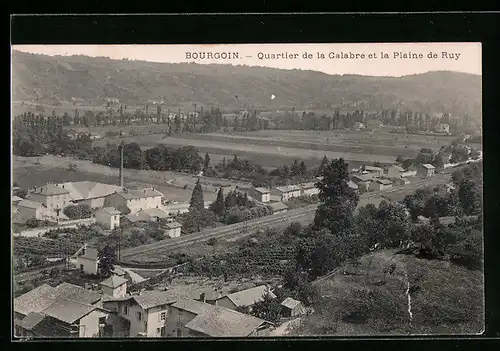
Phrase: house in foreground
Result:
[66,311]
[87,260]
[89,193]
[244,298]
[292,308]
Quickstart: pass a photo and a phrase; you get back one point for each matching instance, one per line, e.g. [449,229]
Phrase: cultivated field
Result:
[360,299]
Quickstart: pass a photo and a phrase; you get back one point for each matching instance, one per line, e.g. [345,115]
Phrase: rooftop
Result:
[88,190]
[31,320]
[250,296]
[91,253]
[262,190]
[67,310]
[373,168]
[290,303]
[139,194]
[277,206]
[428,166]
[309,185]
[287,188]
[150,299]
[218,321]
[30,204]
[49,190]
[155,212]
[114,281]
[384,181]
[363,177]
[173,225]
[399,168]
[110,210]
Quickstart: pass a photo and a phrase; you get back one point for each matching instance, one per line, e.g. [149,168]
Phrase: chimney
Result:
[202,297]
[121,164]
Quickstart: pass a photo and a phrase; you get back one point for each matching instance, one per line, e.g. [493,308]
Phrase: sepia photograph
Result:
[247,190]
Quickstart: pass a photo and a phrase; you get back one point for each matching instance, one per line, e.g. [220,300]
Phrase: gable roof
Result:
[30,204]
[31,320]
[114,281]
[68,311]
[290,303]
[88,190]
[109,210]
[77,293]
[287,188]
[262,190]
[150,299]
[130,194]
[49,190]
[278,206]
[35,300]
[173,225]
[248,297]
[373,168]
[91,253]
[218,321]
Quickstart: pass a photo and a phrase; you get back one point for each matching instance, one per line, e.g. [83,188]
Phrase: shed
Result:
[292,308]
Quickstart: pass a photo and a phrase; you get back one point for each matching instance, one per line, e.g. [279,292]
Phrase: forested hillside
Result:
[52,80]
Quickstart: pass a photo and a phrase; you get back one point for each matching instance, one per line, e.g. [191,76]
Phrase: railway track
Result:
[258,223]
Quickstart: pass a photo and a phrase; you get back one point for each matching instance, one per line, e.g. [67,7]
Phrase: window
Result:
[125,310]
[157,331]
[179,333]
[139,316]
[163,316]
[162,331]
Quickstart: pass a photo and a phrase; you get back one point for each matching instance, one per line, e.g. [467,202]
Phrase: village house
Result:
[409,173]
[209,296]
[27,209]
[198,319]
[373,169]
[287,192]
[87,260]
[363,180]
[309,189]
[109,217]
[394,171]
[114,286]
[260,194]
[53,197]
[244,298]
[147,312]
[380,184]
[173,229]
[292,308]
[426,170]
[66,310]
[135,200]
[278,207]
[145,216]
[89,193]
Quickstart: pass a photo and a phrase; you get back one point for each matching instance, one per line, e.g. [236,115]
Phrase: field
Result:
[271,148]
[360,299]
[27,173]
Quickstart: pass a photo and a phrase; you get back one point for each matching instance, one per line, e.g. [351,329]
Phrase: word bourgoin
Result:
[212,55]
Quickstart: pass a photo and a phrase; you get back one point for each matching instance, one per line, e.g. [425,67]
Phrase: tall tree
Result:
[218,206]
[338,200]
[206,162]
[197,202]
[107,257]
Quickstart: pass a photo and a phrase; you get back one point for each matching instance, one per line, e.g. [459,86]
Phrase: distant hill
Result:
[53,79]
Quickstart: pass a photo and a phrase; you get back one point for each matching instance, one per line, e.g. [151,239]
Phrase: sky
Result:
[460,57]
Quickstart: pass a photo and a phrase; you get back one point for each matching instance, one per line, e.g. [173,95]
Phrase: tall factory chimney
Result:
[120,147]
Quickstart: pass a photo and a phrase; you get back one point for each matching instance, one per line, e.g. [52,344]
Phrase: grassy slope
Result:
[449,299]
[136,82]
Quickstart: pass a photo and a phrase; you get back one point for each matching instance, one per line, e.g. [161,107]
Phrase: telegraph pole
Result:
[120,147]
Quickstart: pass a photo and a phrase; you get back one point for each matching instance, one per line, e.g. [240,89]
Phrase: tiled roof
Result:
[287,188]
[89,190]
[110,210]
[31,320]
[277,206]
[173,225]
[262,190]
[68,311]
[35,300]
[114,281]
[249,296]
[29,204]
[218,321]
[138,194]
[77,293]
[50,189]
[150,299]
[290,303]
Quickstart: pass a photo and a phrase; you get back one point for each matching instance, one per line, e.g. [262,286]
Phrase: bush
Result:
[212,241]
[78,211]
